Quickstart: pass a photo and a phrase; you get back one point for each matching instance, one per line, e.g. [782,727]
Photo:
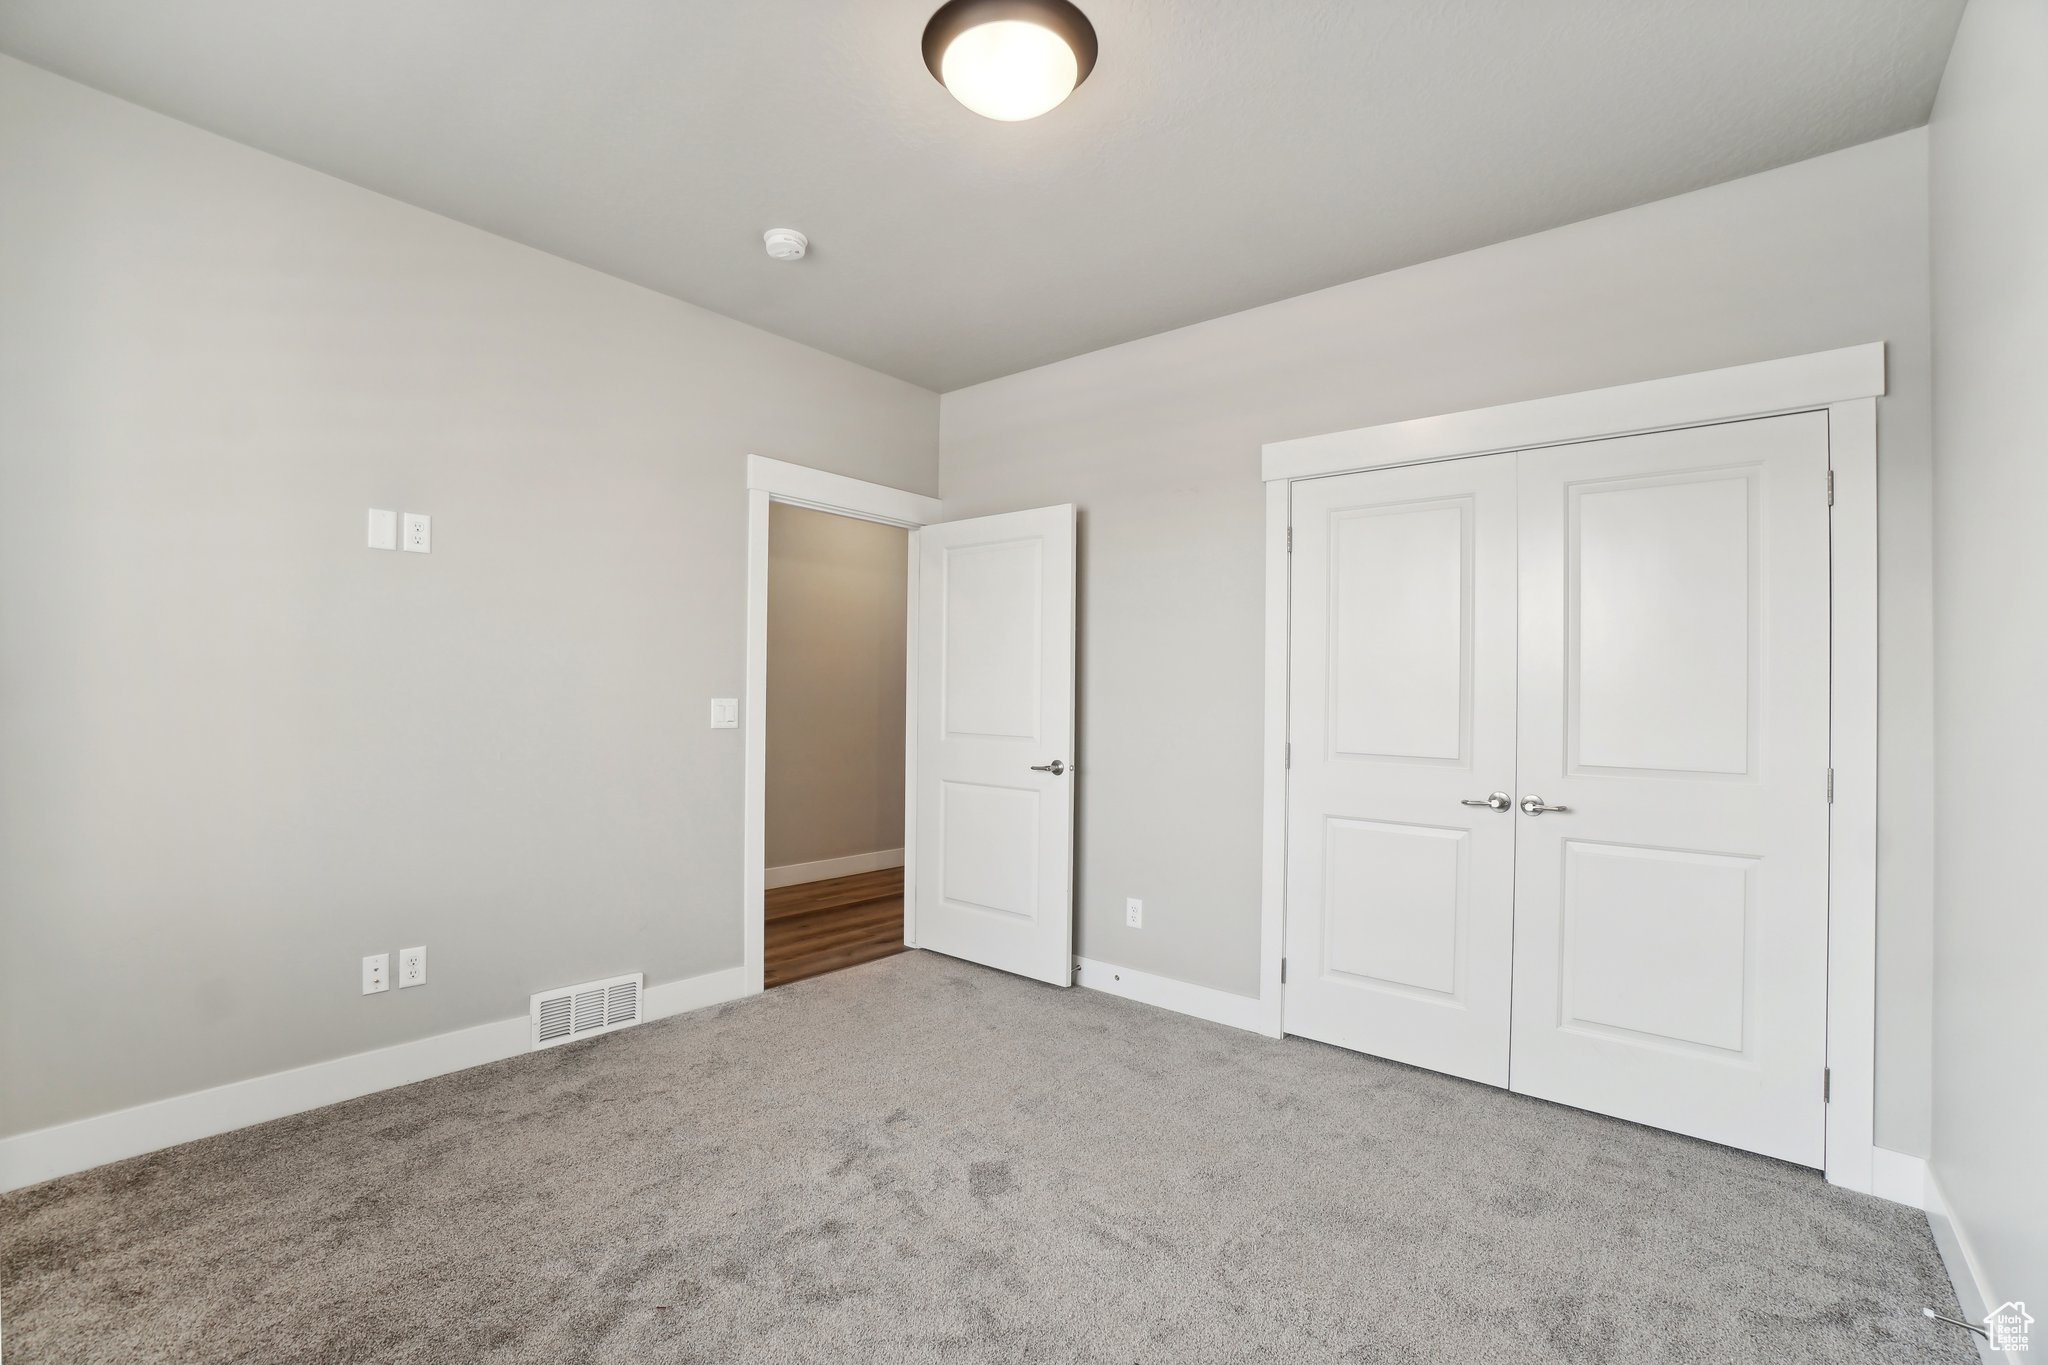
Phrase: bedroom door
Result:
[993,730]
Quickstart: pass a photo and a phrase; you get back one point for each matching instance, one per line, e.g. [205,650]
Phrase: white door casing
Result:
[993,842]
[771,481]
[1401,879]
[1671,924]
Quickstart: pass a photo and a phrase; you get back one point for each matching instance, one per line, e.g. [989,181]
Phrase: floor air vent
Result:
[585,1011]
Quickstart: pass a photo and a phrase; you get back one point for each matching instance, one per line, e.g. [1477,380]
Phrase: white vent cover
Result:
[585,1011]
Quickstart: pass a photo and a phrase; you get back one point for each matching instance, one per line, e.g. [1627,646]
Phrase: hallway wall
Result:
[837,601]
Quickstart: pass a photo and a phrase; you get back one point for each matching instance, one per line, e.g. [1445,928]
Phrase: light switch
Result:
[383,529]
[418,533]
[725,713]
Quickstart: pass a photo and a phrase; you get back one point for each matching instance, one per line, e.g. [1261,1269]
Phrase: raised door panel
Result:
[989,848]
[1662,622]
[990,640]
[1656,946]
[1395,898]
[1400,627]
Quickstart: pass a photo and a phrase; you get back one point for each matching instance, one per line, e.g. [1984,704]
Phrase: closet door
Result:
[1671,905]
[1400,873]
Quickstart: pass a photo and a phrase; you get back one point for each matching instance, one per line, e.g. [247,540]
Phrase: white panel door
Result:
[1671,919]
[1400,876]
[993,729]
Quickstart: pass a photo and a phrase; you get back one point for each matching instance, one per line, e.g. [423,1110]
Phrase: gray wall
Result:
[1990,215]
[241,750]
[838,600]
[1158,441]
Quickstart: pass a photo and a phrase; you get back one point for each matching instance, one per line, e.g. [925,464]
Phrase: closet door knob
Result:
[1056,767]
[1496,801]
[1533,805]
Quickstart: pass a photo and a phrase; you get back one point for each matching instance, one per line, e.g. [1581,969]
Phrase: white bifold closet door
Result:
[993,727]
[1671,924]
[1400,876]
[1655,703]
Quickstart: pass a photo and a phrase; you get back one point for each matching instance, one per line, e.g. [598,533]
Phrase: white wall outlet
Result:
[376,973]
[1134,913]
[419,533]
[725,713]
[412,966]
[383,529]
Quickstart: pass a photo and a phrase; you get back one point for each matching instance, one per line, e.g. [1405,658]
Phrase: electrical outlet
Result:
[1134,913]
[376,973]
[419,533]
[412,967]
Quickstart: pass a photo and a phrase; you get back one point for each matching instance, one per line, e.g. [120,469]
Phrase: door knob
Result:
[1495,801]
[1056,767]
[1533,805]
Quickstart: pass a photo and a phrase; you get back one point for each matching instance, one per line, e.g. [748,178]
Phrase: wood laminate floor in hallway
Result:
[820,927]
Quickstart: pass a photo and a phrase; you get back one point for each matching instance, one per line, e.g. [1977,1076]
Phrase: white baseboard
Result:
[31,1158]
[695,993]
[1203,1002]
[1898,1177]
[1973,1291]
[796,874]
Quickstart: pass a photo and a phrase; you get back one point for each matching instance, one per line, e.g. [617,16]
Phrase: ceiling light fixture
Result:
[1009,59]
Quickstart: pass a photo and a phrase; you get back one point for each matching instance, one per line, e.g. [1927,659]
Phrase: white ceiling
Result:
[1225,153]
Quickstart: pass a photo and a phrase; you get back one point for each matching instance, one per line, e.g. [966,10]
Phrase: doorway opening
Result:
[988,701]
[832,869]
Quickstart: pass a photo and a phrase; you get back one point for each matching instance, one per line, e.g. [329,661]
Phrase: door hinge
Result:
[1283,971]
[1827,1085]
[1831,488]
[1287,755]
[1290,540]
[1831,786]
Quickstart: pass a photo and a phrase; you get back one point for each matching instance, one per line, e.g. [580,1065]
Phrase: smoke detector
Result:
[786,244]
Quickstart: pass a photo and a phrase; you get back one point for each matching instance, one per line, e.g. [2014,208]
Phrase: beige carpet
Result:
[918,1160]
